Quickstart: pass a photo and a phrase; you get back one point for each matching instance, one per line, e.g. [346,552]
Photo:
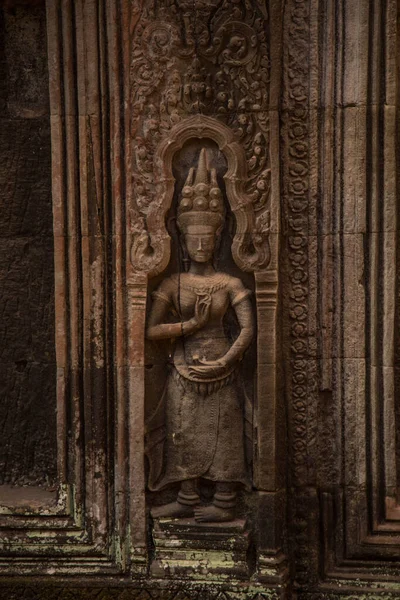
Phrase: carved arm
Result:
[206,369]
[159,330]
[245,317]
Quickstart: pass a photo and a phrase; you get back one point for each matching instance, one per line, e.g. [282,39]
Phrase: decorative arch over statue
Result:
[150,251]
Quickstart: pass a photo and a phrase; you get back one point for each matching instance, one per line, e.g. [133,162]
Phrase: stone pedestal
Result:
[187,549]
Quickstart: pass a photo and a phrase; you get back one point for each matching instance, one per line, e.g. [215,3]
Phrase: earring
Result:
[185,255]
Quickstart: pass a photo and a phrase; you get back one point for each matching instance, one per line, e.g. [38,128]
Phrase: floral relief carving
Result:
[295,132]
[225,75]
[296,201]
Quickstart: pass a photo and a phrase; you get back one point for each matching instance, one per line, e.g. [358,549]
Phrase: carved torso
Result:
[199,420]
[211,342]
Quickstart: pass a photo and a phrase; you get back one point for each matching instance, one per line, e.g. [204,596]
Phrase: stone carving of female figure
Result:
[197,431]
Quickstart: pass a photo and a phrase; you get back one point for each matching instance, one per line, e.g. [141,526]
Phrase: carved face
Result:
[200,244]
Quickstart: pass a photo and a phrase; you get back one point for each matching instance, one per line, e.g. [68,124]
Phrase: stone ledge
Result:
[185,548]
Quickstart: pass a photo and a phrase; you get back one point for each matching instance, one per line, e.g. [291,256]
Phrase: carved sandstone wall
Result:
[27,355]
[298,100]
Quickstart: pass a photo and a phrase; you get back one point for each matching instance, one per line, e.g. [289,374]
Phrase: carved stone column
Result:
[340,187]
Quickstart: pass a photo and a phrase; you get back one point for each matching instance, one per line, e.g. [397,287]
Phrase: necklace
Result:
[206,284]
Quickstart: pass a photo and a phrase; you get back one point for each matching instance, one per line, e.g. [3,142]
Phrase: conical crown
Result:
[201,202]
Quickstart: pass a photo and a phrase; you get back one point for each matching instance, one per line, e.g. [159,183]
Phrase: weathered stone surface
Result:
[23,59]
[25,173]
[189,550]
[27,350]
[127,591]
[309,91]
[27,359]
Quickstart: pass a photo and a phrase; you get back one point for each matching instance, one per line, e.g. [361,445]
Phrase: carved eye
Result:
[201,203]
[187,191]
[186,204]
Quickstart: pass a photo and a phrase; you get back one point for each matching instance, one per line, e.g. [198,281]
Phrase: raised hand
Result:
[202,309]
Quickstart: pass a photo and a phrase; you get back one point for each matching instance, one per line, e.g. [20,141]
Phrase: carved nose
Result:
[200,245]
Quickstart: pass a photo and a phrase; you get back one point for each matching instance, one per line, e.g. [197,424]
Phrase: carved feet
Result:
[213,514]
[174,510]
[188,504]
[202,514]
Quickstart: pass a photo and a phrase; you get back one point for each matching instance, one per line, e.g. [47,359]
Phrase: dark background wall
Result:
[27,355]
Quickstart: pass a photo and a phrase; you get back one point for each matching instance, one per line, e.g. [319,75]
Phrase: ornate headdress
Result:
[201,202]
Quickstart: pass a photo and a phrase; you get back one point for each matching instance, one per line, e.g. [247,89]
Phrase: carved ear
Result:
[184,255]
[217,247]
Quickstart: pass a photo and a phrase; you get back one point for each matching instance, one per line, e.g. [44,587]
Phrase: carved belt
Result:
[203,388]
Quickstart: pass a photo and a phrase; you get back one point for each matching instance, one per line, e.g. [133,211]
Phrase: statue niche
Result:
[197,431]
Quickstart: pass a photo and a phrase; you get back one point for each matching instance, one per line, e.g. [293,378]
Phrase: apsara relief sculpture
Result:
[197,430]
[202,282]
